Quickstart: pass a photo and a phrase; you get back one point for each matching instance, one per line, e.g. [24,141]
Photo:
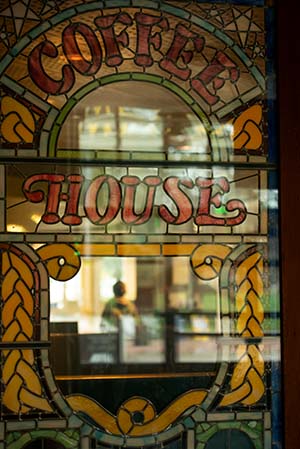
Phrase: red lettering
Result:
[75,55]
[129,215]
[207,199]
[236,205]
[111,40]
[53,195]
[177,52]
[104,200]
[45,82]
[213,78]
[71,216]
[113,200]
[182,202]
[145,24]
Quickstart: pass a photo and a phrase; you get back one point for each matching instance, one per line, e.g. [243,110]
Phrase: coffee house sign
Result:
[177,199]
[87,50]
[175,50]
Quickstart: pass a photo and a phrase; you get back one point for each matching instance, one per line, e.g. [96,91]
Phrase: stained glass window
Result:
[139,235]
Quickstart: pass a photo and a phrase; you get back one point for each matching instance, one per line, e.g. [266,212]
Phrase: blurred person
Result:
[119,305]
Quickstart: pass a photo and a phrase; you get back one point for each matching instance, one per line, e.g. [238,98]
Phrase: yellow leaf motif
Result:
[246,129]
[18,124]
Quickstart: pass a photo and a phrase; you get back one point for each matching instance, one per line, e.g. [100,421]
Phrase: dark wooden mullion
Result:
[288,71]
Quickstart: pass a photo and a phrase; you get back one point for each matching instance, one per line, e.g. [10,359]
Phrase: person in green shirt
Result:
[118,305]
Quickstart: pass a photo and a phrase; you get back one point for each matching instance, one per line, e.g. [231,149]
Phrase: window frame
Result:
[288,116]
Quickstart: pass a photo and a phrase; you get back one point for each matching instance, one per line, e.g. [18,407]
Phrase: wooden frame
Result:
[289,114]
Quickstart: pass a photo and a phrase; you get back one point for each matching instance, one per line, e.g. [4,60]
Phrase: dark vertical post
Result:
[288,71]
[170,343]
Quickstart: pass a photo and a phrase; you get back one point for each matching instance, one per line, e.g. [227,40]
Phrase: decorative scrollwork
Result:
[137,416]
[19,123]
[62,261]
[247,133]
[247,385]
[22,386]
[18,301]
[207,260]
[135,412]
[23,390]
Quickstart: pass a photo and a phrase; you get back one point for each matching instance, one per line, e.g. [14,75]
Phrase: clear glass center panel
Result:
[134,116]
[135,311]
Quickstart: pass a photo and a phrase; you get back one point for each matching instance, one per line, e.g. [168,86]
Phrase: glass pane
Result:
[140,201]
[139,225]
[135,116]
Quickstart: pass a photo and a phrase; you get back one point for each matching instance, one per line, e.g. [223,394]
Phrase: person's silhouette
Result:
[118,305]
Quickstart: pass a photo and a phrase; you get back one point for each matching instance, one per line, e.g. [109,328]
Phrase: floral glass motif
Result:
[137,143]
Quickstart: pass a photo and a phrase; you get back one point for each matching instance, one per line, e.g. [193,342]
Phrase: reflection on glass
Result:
[147,314]
[131,311]
[135,116]
[137,200]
